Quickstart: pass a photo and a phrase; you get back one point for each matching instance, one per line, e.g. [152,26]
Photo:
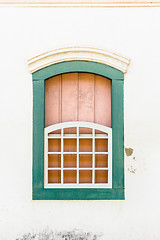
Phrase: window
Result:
[101,174]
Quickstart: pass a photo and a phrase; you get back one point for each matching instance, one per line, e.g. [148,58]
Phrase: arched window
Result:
[78,133]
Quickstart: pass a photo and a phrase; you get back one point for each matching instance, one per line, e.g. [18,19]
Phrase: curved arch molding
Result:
[78,53]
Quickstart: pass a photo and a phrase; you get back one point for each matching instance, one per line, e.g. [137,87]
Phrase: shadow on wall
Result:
[67,235]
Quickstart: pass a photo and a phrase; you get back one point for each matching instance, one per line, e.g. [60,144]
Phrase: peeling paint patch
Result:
[132,170]
[64,235]
[128,151]
[131,160]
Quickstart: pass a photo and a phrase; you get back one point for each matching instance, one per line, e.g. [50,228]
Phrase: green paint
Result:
[38,134]
[78,66]
[117,134]
[78,194]
[117,77]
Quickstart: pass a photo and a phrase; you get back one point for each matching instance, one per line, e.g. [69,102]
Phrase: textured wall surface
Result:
[132,32]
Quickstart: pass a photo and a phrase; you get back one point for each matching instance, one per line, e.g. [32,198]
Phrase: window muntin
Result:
[78,160]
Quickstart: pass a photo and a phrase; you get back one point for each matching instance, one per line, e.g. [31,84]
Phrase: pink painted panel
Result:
[86,97]
[102,101]
[69,97]
[78,97]
[52,101]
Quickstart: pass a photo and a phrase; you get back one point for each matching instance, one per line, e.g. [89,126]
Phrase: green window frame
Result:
[117,124]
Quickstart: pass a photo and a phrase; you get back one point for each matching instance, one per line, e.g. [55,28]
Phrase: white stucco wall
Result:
[132,32]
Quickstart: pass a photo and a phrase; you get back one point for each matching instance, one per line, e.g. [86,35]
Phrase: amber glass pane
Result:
[54,160]
[101,160]
[54,176]
[101,176]
[101,145]
[85,176]
[54,145]
[83,130]
[56,132]
[70,160]
[85,160]
[69,176]
[72,130]
[70,145]
[100,132]
[85,145]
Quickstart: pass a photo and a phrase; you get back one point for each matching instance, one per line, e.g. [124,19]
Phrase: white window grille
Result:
[78,155]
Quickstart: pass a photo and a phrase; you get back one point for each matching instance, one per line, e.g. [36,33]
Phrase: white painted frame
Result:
[77,124]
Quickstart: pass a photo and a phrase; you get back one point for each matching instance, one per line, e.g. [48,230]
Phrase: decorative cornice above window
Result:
[78,53]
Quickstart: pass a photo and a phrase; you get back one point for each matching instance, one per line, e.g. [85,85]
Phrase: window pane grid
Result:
[81,167]
[77,155]
[93,149]
[77,168]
